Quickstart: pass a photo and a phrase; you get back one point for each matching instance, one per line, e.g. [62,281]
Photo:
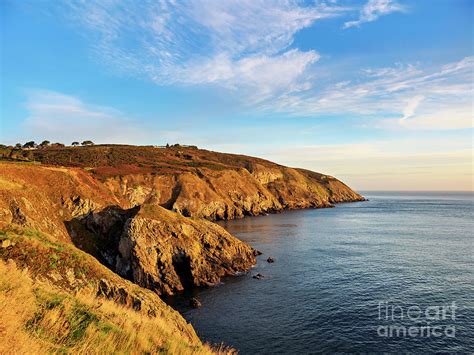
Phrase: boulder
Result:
[195,303]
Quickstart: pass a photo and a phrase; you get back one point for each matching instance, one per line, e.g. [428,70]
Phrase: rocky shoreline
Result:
[152,230]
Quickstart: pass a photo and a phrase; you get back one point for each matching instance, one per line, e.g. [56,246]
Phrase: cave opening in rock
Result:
[182,267]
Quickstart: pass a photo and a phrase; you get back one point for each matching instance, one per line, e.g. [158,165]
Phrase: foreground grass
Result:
[36,318]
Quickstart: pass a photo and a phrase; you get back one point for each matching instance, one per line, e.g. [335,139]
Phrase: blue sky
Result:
[378,93]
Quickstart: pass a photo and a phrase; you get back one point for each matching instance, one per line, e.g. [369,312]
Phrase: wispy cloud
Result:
[65,118]
[402,91]
[411,106]
[246,47]
[373,9]
[237,44]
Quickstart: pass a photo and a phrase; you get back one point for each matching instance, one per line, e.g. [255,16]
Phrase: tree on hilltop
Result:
[87,143]
[75,144]
[44,143]
[30,144]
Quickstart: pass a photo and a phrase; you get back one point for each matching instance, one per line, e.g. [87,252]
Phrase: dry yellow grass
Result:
[37,318]
[6,184]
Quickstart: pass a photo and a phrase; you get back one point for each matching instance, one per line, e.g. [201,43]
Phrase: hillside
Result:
[55,298]
[200,183]
[120,226]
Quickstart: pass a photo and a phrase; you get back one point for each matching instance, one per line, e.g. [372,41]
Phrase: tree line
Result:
[46,143]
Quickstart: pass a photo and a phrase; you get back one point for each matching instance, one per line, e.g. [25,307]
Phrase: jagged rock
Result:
[195,303]
[257,252]
[78,206]
[168,252]
[258,276]
[118,294]
[18,217]
[270,260]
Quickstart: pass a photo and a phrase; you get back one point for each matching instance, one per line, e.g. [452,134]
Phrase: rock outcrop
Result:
[164,251]
[169,256]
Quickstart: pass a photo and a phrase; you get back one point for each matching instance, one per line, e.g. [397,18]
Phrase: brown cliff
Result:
[141,212]
[201,183]
[73,207]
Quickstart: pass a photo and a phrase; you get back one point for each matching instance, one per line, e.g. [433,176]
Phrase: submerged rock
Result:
[195,303]
[258,276]
[257,252]
[270,260]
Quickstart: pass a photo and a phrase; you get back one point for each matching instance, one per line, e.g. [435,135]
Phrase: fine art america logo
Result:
[415,321]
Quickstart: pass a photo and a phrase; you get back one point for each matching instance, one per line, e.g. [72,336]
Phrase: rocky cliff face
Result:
[132,207]
[162,250]
[141,212]
[201,183]
[155,248]
[233,193]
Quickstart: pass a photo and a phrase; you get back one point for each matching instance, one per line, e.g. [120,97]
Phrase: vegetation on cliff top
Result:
[111,159]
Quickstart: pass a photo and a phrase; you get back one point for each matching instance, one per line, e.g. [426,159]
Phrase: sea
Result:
[392,274]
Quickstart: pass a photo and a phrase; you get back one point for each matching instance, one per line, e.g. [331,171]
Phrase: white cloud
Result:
[259,77]
[373,9]
[404,91]
[242,44]
[452,118]
[411,106]
[58,117]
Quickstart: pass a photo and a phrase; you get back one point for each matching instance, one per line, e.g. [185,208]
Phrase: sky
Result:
[378,93]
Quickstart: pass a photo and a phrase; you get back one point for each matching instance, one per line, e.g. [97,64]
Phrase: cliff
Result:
[200,183]
[153,247]
[128,224]
[56,224]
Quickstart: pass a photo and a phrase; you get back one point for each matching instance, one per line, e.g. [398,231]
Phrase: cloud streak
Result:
[410,108]
[64,118]
[233,44]
[403,91]
[246,48]
[373,9]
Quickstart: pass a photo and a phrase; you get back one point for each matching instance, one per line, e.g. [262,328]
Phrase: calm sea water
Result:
[344,277]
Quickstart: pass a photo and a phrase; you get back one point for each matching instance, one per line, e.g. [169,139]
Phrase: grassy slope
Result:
[52,306]
[38,318]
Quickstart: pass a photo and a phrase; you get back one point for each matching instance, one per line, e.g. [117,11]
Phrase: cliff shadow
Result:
[98,232]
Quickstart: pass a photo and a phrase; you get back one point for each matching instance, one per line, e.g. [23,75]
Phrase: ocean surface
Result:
[392,274]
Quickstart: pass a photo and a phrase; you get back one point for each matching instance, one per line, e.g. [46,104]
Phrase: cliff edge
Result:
[121,226]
